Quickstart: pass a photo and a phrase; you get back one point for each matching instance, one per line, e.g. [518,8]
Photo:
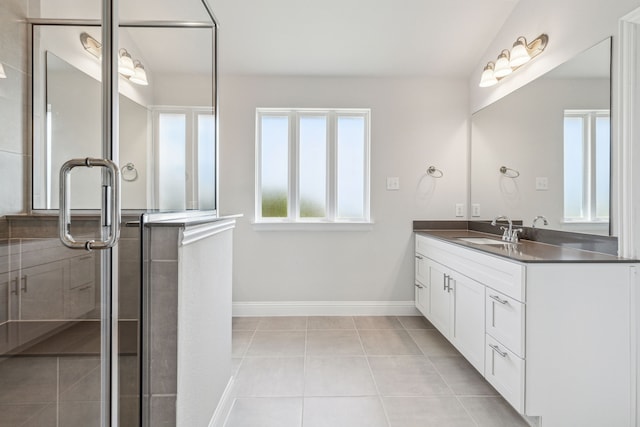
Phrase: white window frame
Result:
[589,176]
[293,219]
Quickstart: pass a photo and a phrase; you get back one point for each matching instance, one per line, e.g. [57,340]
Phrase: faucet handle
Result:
[514,235]
[505,233]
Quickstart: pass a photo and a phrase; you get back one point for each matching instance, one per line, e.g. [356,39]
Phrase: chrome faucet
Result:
[509,234]
[542,217]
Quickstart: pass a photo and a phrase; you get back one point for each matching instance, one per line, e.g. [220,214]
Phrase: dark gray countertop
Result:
[525,251]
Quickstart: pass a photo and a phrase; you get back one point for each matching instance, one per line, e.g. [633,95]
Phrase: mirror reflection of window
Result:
[206,161]
[172,161]
[185,147]
[587,147]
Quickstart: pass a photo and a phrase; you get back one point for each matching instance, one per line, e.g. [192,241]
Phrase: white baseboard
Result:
[224,406]
[325,308]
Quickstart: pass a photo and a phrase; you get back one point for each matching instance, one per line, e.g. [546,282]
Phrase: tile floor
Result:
[382,371]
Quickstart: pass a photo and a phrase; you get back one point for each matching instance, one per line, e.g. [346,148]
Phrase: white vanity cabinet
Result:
[421,286]
[456,309]
[553,338]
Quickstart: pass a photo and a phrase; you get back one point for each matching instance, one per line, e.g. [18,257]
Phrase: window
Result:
[312,166]
[185,176]
[587,145]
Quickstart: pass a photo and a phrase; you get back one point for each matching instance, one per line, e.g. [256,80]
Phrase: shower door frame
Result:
[109,266]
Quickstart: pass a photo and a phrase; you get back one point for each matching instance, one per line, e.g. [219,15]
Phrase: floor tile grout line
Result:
[453,393]
[373,378]
[304,369]
[380,397]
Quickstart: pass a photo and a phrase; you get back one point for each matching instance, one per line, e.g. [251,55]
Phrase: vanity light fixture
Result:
[3,75]
[509,61]
[127,66]
[91,45]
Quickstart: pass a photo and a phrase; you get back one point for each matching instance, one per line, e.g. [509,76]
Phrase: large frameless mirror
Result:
[545,149]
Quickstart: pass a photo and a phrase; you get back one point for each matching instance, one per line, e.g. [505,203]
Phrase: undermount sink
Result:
[482,241]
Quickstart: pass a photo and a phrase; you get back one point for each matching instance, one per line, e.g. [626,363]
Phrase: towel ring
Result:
[129,172]
[508,172]
[434,172]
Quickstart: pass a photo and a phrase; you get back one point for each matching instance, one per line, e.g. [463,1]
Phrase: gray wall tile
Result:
[163,411]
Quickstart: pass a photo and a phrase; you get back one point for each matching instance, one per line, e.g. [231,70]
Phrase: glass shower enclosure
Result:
[123,124]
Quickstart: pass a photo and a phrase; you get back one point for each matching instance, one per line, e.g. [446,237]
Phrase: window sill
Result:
[313,226]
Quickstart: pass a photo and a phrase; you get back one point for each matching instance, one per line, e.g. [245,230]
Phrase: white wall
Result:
[415,123]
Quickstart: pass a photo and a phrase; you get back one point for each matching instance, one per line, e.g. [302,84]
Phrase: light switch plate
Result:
[475,210]
[393,183]
[459,210]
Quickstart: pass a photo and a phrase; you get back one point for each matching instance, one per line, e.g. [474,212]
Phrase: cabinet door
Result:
[8,295]
[41,291]
[422,298]
[421,269]
[467,332]
[439,296]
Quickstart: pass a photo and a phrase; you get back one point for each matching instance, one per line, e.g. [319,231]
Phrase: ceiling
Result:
[310,37]
[357,37]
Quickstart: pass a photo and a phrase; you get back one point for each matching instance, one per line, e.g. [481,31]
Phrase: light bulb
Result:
[502,67]
[140,75]
[125,63]
[488,78]
[519,54]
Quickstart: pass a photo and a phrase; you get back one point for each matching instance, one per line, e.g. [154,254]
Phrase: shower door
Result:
[59,360]
[71,331]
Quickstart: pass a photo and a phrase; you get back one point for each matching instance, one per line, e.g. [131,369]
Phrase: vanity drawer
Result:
[505,320]
[505,371]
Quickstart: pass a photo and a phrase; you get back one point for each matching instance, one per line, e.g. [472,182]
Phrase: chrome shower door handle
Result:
[110,204]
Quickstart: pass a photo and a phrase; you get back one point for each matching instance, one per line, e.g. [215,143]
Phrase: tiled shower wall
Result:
[54,380]
[14,107]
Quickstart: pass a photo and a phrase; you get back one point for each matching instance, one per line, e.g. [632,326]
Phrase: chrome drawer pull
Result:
[419,257]
[497,350]
[498,299]
[419,286]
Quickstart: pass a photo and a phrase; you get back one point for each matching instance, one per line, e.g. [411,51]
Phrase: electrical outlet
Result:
[475,210]
[393,183]
[542,183]
[459,210]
